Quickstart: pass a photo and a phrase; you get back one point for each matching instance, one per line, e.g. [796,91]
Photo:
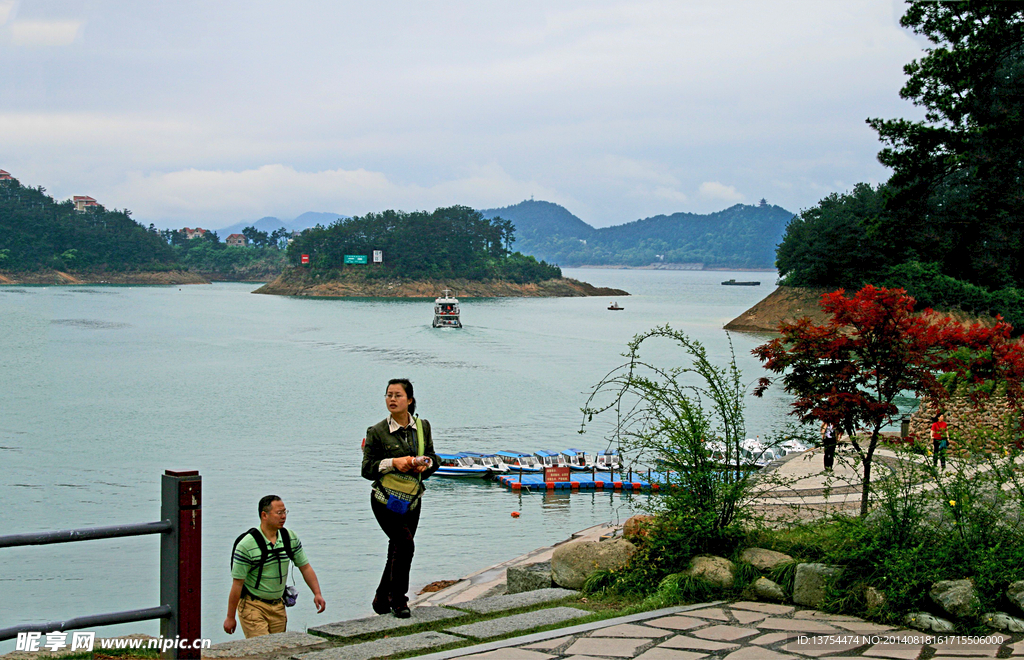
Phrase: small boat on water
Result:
[517,460]
[446,311]
[550,458]
[577,459]
[460,465]
[492,462]
[615,307]
[733,282]
[608,459]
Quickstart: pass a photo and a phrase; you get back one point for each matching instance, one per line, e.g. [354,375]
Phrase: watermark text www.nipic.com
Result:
[85,641]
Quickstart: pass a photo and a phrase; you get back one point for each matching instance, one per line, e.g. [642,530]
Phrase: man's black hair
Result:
[407,386]
[266,501]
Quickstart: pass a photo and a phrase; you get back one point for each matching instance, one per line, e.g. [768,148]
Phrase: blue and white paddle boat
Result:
[517,460]
[550,458]
[608,459]
[492,462]
[459,465]
[577,459]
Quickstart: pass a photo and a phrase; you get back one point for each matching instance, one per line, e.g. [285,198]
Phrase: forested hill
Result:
[38,232]
[741,236]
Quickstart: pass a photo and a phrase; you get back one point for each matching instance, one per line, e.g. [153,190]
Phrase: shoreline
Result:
[62,278]
[300,284]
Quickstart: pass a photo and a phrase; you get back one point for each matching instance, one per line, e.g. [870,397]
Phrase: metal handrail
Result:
[180,551]
[88,534]
[90,621]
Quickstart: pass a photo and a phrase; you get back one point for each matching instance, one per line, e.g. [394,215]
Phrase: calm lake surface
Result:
[103,388]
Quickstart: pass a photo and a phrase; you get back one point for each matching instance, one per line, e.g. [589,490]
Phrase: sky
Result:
[211,113]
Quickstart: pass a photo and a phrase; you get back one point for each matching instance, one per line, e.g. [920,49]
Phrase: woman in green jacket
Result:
[398,453]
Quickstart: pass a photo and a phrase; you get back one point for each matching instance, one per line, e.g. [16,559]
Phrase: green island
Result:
[421,254]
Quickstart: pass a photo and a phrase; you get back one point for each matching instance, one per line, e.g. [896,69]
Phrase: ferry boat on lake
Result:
[520,461]
[577,459]
[446,311]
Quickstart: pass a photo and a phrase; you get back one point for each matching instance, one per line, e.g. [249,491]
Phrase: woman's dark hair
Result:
[936,418]
[407,386]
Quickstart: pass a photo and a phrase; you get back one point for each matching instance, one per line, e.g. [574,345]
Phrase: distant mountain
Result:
[270,223]
[741,236]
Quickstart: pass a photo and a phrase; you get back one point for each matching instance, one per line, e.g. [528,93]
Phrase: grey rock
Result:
[573,563]
[765,589]
[382,648]
[517,622]
[528,578]
[719,571]
[1003,621]
[385,623]
[263,644]
[1016,594]
[928,622]
[874,598]
[956,597]
[810,583]
[763,559]
[513,601]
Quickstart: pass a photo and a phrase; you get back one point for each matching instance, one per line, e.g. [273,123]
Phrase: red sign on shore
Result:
[305,258]
[556,474]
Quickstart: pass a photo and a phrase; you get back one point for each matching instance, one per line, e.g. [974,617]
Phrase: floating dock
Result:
[579,481]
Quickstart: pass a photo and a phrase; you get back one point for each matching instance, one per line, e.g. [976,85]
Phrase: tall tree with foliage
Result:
[957,174]
[849,371]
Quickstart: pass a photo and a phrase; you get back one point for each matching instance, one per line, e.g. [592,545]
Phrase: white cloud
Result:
[716,190]
[6,10]
[44,33]
[221,197]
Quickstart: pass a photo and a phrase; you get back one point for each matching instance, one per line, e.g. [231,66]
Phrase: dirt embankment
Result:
[60,277]
[298,284]
[785,304]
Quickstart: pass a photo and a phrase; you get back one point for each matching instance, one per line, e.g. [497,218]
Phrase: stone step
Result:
[383,648]
[518,622]
[513,601]
[385,623]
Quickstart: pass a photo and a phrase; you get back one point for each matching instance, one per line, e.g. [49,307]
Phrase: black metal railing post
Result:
[181,561]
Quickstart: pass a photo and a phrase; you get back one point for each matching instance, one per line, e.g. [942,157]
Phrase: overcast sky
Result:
[210,113]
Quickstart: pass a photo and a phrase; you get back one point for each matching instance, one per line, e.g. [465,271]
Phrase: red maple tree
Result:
[848,371]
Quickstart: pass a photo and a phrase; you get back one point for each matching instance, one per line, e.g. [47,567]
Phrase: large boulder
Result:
[635,527]
[529,577]
[956,597]
[1016,594]
[764,560]
[719,571]
[928,622]
[810,583]
[573,563]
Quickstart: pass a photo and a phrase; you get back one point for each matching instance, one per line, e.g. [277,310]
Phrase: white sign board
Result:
[378,256]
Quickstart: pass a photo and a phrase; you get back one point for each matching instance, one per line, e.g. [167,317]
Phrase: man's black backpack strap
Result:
[286,539]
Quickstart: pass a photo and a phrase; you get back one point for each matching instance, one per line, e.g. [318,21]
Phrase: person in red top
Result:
[939,440]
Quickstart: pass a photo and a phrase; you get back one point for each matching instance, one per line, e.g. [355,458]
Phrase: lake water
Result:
[103,388]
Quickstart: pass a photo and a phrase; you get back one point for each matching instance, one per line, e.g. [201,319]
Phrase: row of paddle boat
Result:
[753,454]
[476,464]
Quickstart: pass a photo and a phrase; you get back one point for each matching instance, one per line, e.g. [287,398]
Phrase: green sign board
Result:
[355,258]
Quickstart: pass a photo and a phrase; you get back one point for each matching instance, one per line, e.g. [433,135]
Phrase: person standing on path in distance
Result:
[940,440]
[829,441]
[398,454]
[259,568]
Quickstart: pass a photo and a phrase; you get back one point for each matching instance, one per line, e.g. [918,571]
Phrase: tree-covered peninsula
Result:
[421,251]
[948,226]
[38,233]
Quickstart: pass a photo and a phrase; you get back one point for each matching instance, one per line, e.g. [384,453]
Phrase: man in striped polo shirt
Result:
[259,569]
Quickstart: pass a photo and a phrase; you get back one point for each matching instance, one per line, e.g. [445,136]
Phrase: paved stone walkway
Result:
[737,631]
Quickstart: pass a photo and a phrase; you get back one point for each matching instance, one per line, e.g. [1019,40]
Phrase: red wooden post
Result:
[181,561]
